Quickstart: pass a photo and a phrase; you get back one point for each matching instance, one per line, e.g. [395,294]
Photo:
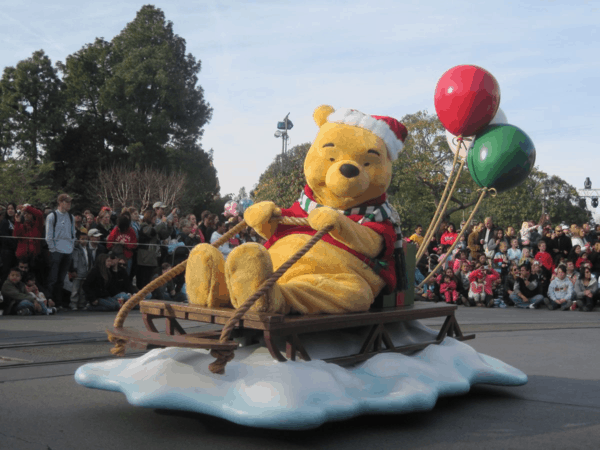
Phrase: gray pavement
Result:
[41,406]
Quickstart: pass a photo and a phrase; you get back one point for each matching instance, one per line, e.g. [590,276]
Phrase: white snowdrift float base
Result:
[260,392]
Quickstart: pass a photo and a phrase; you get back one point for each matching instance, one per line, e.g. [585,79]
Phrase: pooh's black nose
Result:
[349,171]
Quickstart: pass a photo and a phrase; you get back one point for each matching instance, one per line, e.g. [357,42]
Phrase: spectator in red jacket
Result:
[544,258]
[449,236]
[122,239]
[29,223]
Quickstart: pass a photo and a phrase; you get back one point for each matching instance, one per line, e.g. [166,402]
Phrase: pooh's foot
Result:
[205,277]
[246,269]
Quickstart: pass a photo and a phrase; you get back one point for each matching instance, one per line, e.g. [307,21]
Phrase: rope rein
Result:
[222,357]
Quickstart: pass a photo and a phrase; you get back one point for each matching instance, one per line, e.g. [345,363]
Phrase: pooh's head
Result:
[350,161]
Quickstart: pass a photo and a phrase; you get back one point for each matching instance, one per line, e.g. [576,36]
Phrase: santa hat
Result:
[389,129]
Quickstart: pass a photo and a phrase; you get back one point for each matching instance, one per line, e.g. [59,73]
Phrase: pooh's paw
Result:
[323,217]
[261,213]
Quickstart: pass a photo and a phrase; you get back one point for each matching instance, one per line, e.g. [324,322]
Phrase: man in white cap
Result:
[94,247]
[159,209]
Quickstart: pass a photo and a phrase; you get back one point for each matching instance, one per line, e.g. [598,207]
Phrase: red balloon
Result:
[466,99]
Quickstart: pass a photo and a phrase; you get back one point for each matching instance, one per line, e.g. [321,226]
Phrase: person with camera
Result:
[29,223]
[107,285]
[159,212]
[527,289]
[122,239]
[104,224]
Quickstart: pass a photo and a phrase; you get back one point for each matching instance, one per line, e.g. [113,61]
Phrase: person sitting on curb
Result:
[16,298]
[31,287]
[477,288]
[560,291]
[107,285]
[586,291]
[526,292]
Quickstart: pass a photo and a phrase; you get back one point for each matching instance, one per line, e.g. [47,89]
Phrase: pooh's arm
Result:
[358,237]
[263,218]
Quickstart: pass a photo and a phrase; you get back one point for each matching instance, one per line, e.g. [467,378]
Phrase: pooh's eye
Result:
[331,159]
[330,144]
[367,164]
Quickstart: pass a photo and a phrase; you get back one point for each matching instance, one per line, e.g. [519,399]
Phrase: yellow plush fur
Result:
[327,279]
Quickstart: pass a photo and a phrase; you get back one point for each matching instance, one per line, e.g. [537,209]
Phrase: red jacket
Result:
[581,260]
[28,248]
[545,260]
[448,238]
[489,281]
[128,240]
[385,229]
[444,287]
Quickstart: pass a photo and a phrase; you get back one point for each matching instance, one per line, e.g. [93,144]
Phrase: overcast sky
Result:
[261,60]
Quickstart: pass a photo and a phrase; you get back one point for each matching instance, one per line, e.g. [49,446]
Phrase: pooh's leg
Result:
[328,293]
[205,277]
[246,268]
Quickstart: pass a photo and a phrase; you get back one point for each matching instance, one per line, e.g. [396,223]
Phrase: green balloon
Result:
[501,157]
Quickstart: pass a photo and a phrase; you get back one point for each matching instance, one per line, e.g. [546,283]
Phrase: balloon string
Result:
[446,203]
[484,191]
[434,219]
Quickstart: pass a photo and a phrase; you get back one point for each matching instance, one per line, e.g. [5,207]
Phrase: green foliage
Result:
[283,180]
[133,102]
[31,109]
[202,185]
[421,171]
[153,89]
[22,181]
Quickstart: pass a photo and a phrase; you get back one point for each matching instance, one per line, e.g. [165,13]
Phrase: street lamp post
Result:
[284,125]
[588,192]
[544,193]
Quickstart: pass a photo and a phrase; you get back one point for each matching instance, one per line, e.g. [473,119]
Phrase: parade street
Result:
[559,408]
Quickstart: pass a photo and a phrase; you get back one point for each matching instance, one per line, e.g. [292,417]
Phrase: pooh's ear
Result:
[321,113]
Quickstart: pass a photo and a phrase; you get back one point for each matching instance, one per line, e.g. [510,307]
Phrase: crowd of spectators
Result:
[556,266]
[65,260]
[55,259]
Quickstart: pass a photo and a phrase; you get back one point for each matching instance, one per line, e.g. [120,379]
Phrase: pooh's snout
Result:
[346,179]
[349,170]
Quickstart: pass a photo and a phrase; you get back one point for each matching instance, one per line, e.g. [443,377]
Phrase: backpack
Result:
[55,219]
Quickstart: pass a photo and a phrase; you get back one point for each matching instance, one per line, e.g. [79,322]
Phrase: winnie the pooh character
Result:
[348,170]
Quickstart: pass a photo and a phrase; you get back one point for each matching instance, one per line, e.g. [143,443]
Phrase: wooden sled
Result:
[291,328]
[274,327]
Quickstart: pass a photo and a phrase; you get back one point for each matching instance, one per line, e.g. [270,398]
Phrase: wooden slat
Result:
[306,323]
[146,337]
[322,323]
[149,305]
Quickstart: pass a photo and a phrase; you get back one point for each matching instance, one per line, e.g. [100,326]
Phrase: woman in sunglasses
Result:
[509,284]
